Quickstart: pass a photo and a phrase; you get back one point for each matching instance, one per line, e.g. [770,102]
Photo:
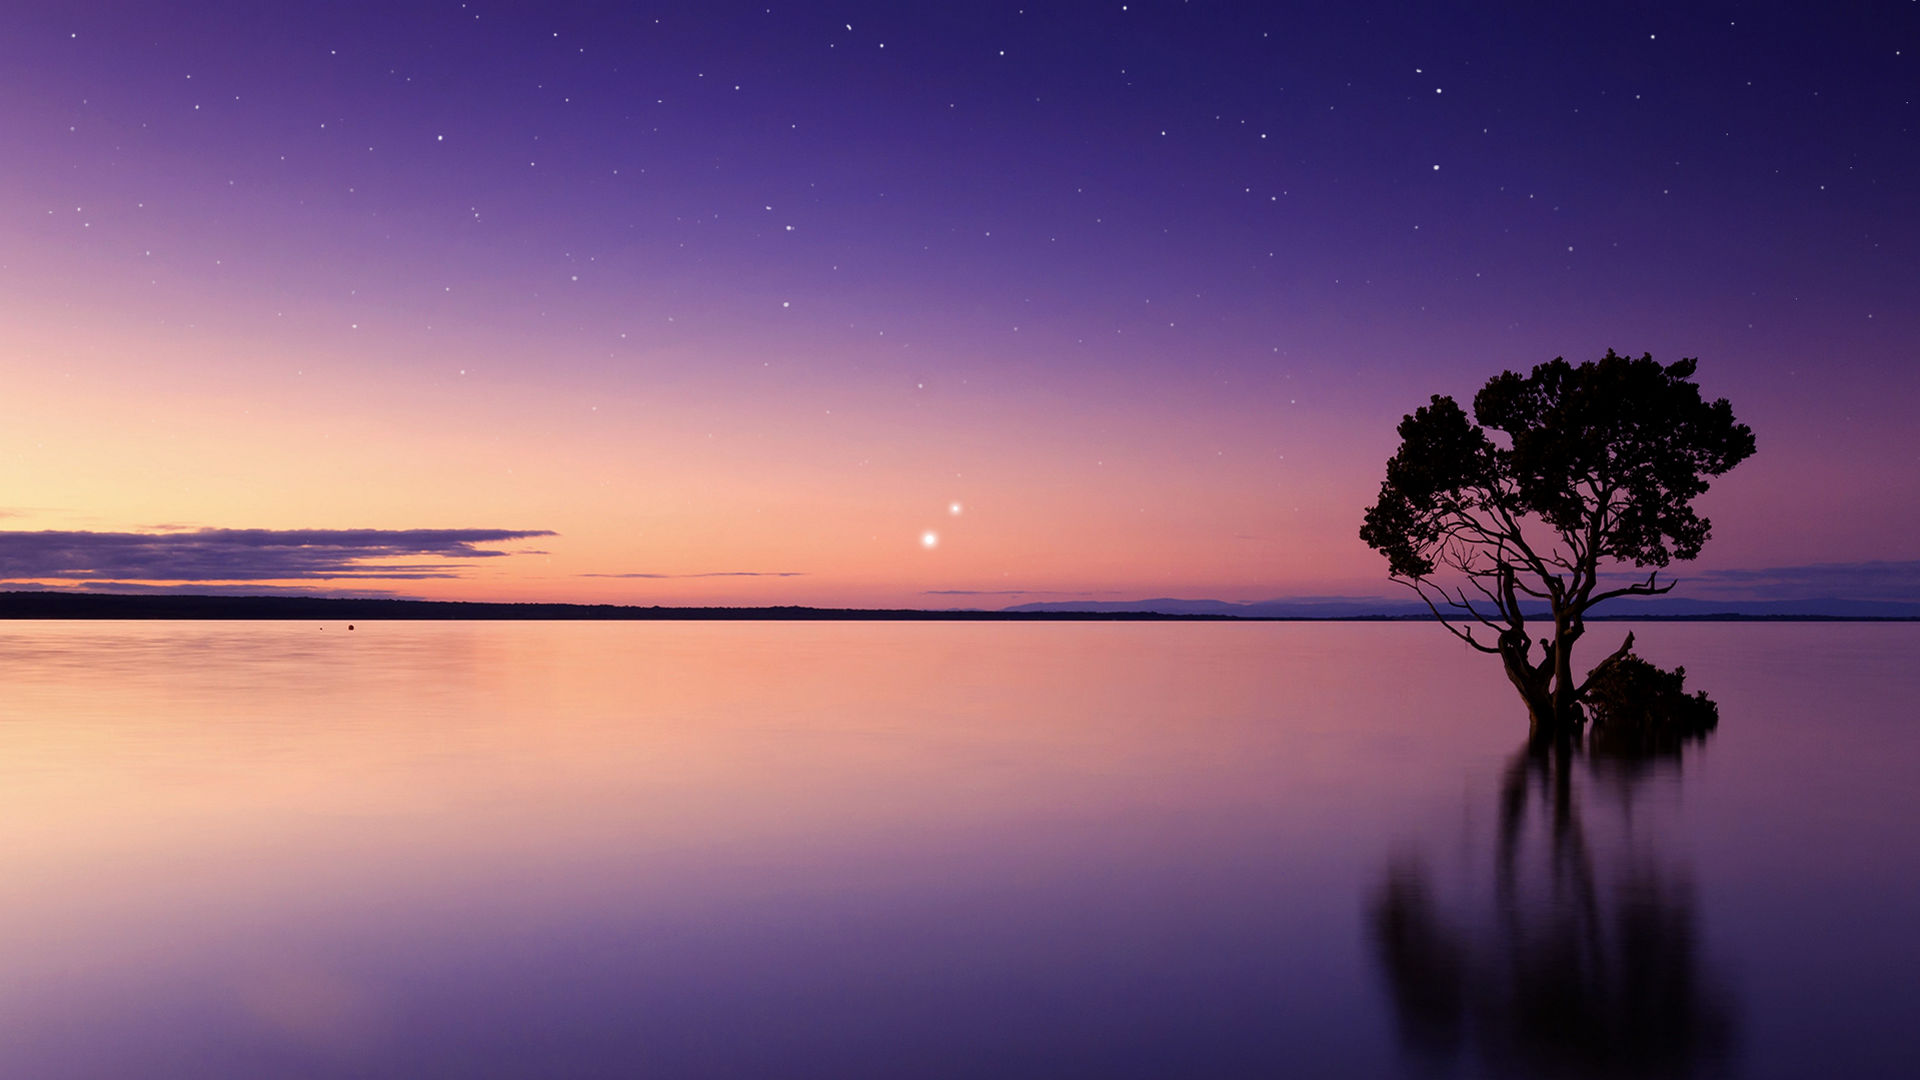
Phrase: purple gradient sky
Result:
[716,291]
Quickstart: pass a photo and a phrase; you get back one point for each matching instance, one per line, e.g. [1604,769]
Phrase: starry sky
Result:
[962,304]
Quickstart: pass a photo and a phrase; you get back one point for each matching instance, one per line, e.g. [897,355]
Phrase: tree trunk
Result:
[1532,684]
[1566,707]
[1553,713]
[1547,726]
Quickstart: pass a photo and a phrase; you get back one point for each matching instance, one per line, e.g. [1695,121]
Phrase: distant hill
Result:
[1316,608]
[1828,608]
[1663,607]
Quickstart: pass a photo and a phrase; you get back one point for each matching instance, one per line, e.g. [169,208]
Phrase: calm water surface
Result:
[863,849]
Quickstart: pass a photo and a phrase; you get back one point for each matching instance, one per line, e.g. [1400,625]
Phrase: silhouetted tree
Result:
[1598,464]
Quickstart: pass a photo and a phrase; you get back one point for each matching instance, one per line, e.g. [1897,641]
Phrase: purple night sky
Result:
[919,304]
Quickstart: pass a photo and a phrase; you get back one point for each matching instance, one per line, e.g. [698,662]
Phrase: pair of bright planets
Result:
[931,539]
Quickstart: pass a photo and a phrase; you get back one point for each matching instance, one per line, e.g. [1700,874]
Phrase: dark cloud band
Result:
[247,554]
[1878,580]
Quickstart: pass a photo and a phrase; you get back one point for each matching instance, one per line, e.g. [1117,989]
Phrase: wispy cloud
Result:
[1017,592]
[709,573]
[247,554]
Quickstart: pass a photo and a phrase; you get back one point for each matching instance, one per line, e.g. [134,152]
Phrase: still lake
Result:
[933,849]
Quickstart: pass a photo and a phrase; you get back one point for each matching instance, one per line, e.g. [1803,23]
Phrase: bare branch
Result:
[1458,601]
[1643,588]
[1526,552]
[1625,646]
[1463,635]
[1483,590]
[1530,590]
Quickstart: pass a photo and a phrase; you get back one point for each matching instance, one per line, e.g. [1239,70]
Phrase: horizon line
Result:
[56,604]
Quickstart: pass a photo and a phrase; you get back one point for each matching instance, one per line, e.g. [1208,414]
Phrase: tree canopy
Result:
[1595,464]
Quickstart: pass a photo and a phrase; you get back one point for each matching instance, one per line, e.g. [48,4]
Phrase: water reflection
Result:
[866,849]
[1561,942]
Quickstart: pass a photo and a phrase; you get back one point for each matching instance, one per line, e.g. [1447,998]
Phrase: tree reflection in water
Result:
[1580,957]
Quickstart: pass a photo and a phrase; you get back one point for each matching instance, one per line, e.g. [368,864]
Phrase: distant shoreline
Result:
[58,605]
